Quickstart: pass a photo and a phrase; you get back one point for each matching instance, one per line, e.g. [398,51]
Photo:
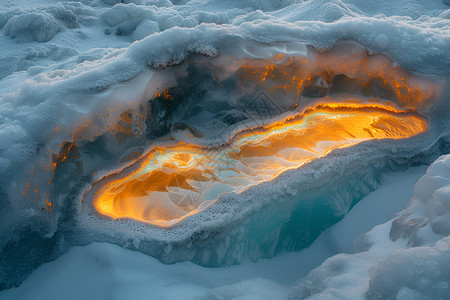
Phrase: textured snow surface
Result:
[405,258]
[62,62]
[102,267]
[382,265]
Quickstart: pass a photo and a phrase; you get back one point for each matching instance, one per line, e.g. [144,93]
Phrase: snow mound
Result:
[414,273]
[405,258]
[73,14]
[42,25]
[39,27]
[326,11]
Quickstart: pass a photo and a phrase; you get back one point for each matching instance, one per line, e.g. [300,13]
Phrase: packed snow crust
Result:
[61,62]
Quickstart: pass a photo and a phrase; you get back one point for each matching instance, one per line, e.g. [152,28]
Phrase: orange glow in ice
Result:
[332,73]
[177,180]
[172,190]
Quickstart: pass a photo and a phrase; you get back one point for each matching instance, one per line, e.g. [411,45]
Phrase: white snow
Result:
[405,257]
[39,27]
[61,62]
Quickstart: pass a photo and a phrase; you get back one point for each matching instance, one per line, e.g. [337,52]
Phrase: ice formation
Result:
[89,89]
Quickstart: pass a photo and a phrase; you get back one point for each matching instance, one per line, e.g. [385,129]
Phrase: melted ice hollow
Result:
[174,181]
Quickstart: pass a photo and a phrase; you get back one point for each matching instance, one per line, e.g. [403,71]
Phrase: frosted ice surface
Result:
[415,265]
[60,61]
[387,270]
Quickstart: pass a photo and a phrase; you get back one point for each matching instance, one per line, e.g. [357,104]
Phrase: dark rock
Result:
[314,92]
[185,127]
[343,84]
[232,118]
[379,88]
[403,227]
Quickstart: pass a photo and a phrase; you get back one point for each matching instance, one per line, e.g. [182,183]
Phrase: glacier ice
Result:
[60,63]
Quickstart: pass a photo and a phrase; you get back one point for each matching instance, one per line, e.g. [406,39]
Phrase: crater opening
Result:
[208,127]
[234,123]
[226,124]
[255,154]
[173,181]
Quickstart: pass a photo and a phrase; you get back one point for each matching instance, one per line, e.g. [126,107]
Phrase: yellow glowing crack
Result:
[170,183]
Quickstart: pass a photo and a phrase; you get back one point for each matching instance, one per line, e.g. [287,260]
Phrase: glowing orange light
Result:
[174,181]
[290,83]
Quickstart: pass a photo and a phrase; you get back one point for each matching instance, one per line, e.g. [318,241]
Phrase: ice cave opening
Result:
[228,159]
[177,180]
[281,113]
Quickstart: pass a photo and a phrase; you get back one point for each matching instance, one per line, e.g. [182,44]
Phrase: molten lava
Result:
[174,181]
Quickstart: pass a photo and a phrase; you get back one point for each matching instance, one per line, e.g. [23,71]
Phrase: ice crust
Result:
[385,269]
[59,62]
[83,59]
